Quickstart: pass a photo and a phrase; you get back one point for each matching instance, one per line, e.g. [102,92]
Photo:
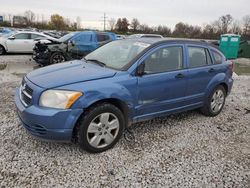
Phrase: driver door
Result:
[20,42]
[162,87]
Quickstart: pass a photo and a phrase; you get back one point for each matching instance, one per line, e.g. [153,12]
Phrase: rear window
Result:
[198,57]
[217,57]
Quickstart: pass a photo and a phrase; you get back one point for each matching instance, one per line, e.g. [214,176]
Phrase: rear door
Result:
[20,43]
[201,71]
[163,86]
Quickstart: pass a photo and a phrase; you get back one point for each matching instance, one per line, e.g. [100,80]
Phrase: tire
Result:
[2,50]
[215,102]
[100,128]
[56,57]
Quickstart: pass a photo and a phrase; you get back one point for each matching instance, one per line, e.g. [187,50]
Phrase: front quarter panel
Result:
[121,87]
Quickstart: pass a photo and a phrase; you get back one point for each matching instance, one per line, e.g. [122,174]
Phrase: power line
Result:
[104,20]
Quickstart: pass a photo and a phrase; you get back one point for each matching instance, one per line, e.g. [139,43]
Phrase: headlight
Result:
[61,99]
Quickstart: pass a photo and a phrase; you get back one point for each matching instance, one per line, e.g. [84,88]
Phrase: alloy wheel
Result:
[103,130]
[217,100]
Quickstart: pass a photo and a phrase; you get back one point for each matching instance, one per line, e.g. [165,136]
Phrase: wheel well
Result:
[225,87]
[116,102]
[3,48]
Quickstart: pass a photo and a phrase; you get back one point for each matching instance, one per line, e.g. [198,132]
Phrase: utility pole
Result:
[104,19]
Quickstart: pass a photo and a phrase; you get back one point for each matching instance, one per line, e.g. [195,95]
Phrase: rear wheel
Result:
[100,128]
[2,50]
[215,102]
[57,58]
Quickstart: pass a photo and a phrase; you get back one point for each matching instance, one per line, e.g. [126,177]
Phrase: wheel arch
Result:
[3,48]
[121,105]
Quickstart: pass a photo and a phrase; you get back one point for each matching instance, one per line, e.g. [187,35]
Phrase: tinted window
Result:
[164,59]
[83,38]
[102,37]
[198,57]
[36,36]
[217,57]
[22,36]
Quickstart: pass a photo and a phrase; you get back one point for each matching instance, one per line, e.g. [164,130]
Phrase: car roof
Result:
[156,41]
[34,32]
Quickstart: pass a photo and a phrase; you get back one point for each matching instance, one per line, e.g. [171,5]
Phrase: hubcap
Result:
[217,101]
[103,130]
[58,59]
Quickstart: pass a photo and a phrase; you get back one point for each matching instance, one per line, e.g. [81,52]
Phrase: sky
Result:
[151,12]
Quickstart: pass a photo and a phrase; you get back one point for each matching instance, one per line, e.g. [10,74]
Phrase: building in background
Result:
[1,19]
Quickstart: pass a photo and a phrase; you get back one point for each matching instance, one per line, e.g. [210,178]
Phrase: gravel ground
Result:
[184,150]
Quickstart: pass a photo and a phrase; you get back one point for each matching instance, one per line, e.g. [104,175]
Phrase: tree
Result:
[246,25]
[112,22]
[57,22]
[163,30]
[125,24]
[236,28]
[146,29]
[30,16]
[135,24]
[225,22]
[119,24]
[122,25]
[181,30]
[78,23]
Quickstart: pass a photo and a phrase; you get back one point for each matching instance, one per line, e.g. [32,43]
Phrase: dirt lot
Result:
[184,150]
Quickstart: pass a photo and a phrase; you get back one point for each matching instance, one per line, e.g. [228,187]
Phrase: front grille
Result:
[26,94]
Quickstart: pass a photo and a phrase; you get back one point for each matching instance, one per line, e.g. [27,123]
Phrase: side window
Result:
[36,36]
[102,37]
[164,60]
[22,36]
[198,57]
[217,57]
[82,38]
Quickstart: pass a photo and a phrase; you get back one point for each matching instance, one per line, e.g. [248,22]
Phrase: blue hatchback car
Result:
[94,99]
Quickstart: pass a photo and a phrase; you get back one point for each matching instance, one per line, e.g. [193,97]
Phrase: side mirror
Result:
[140,70]
[11,38]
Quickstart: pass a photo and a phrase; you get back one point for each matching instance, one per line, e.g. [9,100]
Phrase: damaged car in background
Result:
[74,45]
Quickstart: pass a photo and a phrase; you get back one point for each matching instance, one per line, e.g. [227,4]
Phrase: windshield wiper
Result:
[96,61]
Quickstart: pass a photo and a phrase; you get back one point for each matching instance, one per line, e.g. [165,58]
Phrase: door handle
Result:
[179,76]
[211,70]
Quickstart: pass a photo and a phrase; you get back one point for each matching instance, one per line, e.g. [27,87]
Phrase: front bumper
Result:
[46,123]
[41,58]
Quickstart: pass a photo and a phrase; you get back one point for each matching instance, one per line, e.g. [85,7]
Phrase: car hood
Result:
[68,73]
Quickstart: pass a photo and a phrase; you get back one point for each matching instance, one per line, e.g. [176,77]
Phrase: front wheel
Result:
[2,50]
[100,128]
[215,102]
[57,58]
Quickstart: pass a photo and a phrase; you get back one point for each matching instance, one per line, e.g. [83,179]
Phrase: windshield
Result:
[117,54]
[65,38]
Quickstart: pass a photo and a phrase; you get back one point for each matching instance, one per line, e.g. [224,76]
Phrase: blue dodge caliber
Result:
[94,99]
